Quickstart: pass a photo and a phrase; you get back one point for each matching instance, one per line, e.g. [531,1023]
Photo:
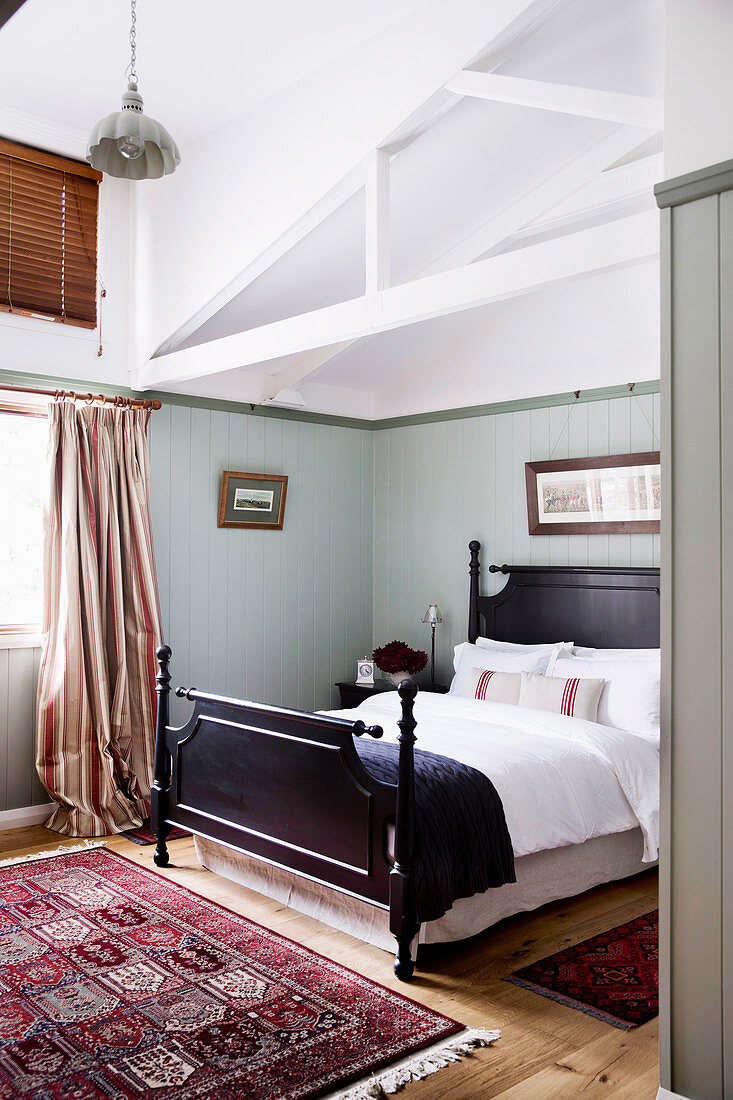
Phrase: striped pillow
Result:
[575,697]
[493,687]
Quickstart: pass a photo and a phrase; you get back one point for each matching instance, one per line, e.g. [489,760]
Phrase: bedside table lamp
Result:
[432,616]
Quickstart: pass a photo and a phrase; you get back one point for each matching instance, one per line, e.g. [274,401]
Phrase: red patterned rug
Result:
[614,976]
[119,984]
[145,835]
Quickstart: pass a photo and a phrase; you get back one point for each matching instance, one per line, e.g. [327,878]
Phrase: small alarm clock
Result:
[365,671]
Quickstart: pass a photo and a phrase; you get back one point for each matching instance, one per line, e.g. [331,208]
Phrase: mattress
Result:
[561,780]
[541,877]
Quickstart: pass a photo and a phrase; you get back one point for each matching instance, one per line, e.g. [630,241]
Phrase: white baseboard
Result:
[26,815]
[665,1094]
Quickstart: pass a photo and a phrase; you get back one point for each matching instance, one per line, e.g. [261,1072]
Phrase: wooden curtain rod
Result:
[89,398]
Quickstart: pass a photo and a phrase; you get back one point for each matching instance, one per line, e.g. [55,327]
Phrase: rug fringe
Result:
[62,850]
[422,1065]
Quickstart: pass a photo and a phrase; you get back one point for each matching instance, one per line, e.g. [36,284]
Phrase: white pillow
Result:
[519,647]
[578,698]
[615,654]
[630,699]
[489,686]
[467,657]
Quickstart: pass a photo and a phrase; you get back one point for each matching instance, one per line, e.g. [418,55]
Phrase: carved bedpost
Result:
[474,570]
[403,922]
[161,779]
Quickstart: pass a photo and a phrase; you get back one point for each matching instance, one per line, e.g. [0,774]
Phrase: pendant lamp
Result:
[128,143]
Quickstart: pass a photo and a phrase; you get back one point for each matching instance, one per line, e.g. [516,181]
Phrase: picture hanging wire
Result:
[567,421]
[639,404]
[641,408]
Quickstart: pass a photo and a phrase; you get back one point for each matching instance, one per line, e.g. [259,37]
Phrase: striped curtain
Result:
[101,622]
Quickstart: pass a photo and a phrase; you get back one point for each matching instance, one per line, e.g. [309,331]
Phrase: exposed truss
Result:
[513,19]
[496,279]
[554,232]
[516,220]
[631,110]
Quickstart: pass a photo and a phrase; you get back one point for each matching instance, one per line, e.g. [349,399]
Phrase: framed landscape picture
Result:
[252,500]
[612,494]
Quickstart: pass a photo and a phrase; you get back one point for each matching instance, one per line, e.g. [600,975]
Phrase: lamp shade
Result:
[432,615]
[130,144]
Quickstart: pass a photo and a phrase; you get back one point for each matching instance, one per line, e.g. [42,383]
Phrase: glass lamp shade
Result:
[130,144]
[432,615]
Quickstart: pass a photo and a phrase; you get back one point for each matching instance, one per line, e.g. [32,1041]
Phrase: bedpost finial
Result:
[474,546]
[163,679]
[407,689]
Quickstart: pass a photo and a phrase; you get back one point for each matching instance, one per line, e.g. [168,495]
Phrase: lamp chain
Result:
[131,71]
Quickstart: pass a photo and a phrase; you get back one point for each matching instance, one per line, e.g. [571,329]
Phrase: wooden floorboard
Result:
[547,1051]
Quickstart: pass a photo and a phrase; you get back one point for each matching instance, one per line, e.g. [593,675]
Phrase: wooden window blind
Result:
[48,236]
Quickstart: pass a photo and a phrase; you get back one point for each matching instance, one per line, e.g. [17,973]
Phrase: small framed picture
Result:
[252,500]
[611,494]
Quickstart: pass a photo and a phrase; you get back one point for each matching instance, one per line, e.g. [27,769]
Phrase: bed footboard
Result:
[289,788]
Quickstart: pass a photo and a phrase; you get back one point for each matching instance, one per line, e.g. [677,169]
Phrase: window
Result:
[23,486]
[48,236]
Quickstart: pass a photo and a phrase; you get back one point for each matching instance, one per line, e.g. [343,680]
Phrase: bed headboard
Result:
[605,607]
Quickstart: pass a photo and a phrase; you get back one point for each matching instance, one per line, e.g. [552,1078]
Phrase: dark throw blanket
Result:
[462,844]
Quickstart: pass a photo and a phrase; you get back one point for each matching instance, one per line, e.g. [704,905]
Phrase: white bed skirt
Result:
[541,878]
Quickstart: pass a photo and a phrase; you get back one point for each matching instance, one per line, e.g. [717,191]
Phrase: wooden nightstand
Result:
[352,694]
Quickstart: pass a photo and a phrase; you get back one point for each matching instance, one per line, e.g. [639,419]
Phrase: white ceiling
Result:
[202,66]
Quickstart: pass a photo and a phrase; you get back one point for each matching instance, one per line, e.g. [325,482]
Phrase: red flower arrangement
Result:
[398,657]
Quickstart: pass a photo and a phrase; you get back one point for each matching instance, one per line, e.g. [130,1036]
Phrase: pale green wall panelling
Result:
[439,485]
[277,616]
[696,851]
[19,784]
[376,524]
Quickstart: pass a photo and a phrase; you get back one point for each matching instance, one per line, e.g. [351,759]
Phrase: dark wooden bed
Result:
[288,788]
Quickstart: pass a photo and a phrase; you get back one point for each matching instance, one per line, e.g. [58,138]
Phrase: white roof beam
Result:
[583,219]
[542,198]
[308,146]
[496,279]
[323,209]
[630,110]
[604,193]
[377,222]
[501,46]
[589,165]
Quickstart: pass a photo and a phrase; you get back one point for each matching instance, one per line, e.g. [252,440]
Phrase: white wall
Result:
[698,90]
[602,330]
[38,346]
[244,186]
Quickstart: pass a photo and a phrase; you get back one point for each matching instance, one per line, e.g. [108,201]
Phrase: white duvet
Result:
[561,780]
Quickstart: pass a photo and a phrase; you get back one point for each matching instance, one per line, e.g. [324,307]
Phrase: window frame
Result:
[22,635]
